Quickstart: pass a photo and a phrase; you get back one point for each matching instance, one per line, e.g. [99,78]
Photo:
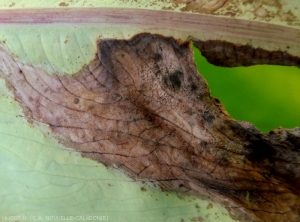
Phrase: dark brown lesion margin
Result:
[226,54]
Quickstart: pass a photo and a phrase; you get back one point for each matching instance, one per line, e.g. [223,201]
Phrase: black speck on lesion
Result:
[174,80]
[259,150]
[203,144]
[193,87]
[216,100]
[157,57]
[208,117]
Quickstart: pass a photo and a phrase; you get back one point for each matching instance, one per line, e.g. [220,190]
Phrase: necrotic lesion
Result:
[226,54]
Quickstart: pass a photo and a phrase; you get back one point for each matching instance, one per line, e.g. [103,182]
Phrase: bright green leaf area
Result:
[267,96]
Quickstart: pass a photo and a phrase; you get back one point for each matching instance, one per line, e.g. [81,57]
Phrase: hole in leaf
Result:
[265,95]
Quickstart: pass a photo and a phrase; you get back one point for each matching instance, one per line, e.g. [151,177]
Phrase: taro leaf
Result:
[46,178]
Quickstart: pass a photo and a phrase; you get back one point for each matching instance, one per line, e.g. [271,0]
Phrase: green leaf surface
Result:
[267,96]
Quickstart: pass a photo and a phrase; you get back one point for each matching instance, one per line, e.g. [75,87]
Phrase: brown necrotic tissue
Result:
[141,105]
